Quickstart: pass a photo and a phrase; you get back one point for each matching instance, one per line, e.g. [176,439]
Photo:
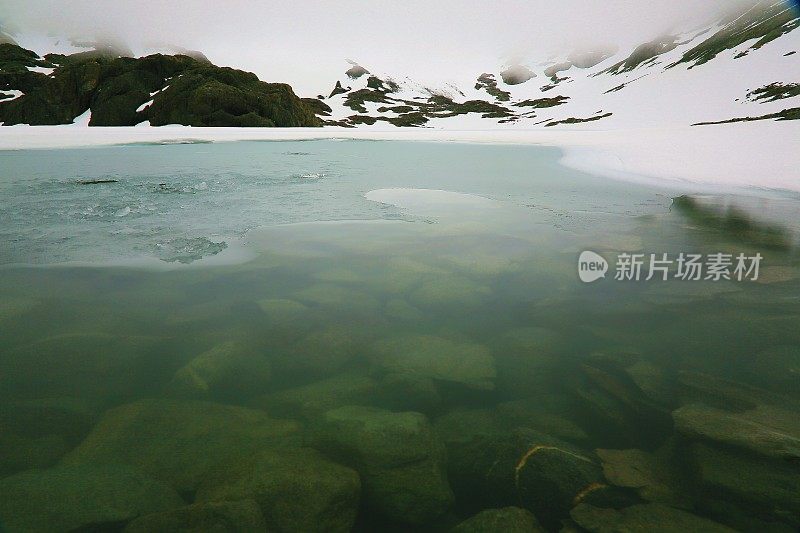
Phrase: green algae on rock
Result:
[297,489]
[399,457]
[185,439]
[80,497]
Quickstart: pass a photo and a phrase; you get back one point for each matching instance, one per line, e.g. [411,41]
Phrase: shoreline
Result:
[709,157]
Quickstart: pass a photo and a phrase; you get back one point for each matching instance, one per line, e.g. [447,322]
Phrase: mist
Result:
[306,42]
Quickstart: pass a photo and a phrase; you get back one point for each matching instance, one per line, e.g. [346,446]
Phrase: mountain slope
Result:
[125,91]
[703,75]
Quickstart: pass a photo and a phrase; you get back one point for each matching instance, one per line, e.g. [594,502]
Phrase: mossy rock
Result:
[437,358]
[91,366]
[228,370]
[310,401]
[651,517]
[507,520]
[524,467]
[80,498]
[296,489]
[222,517]
[221,96]
[399,458]
[180,441]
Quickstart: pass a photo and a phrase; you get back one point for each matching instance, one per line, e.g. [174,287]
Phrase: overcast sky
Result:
[306,42]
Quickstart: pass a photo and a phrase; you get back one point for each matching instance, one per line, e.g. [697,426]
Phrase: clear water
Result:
[343,262]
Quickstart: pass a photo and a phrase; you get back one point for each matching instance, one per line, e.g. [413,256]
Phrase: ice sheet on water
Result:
[187,250]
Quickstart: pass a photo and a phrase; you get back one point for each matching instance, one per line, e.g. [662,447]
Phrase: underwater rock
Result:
[437,358]
[184,439]
[507,520]
[697,387]
[653,382]
[400,459]
[764,487]
[766,430]
[37,433]
[312,400]
[95,366]
[399,309]
[228,369]
[649,473]
[650,517]
[451,292]
[18,453]
[282,312]
[777,367]
[320,353]
[343,299]
[13,307]
[408,392]
[614,408]
[548,413]
[531,469]
[223,517]
[463,425]
[80,497]
[71,418]
[296,489]
[528,359]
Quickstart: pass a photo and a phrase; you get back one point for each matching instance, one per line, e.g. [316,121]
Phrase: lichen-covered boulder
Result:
[180,441]
[220,517]
[296,489]
[399,457]
[507,520]
[80,497]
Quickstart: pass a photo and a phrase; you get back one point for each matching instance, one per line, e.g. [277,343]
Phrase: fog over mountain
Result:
[306,42]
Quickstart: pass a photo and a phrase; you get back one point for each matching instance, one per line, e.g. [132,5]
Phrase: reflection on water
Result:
[435,362]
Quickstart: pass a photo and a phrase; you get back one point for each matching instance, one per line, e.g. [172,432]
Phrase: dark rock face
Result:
[214,96]
[238,516]
[184,90]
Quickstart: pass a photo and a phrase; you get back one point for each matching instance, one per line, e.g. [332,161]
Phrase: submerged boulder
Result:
[761,486]
[507,520]
[180,441]
[399,458]
[311,401]
[320,353]
[769,431]
[223,517]
[80,497]
[96,366]
[651,517]
[437,358]
[296,489]
[527,468]
[228,369]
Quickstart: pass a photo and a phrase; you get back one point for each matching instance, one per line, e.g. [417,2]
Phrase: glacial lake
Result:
[395,335]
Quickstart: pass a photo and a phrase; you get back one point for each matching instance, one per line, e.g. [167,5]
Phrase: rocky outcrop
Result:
[124,91]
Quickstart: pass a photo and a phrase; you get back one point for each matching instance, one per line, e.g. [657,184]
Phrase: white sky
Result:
[305,42]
